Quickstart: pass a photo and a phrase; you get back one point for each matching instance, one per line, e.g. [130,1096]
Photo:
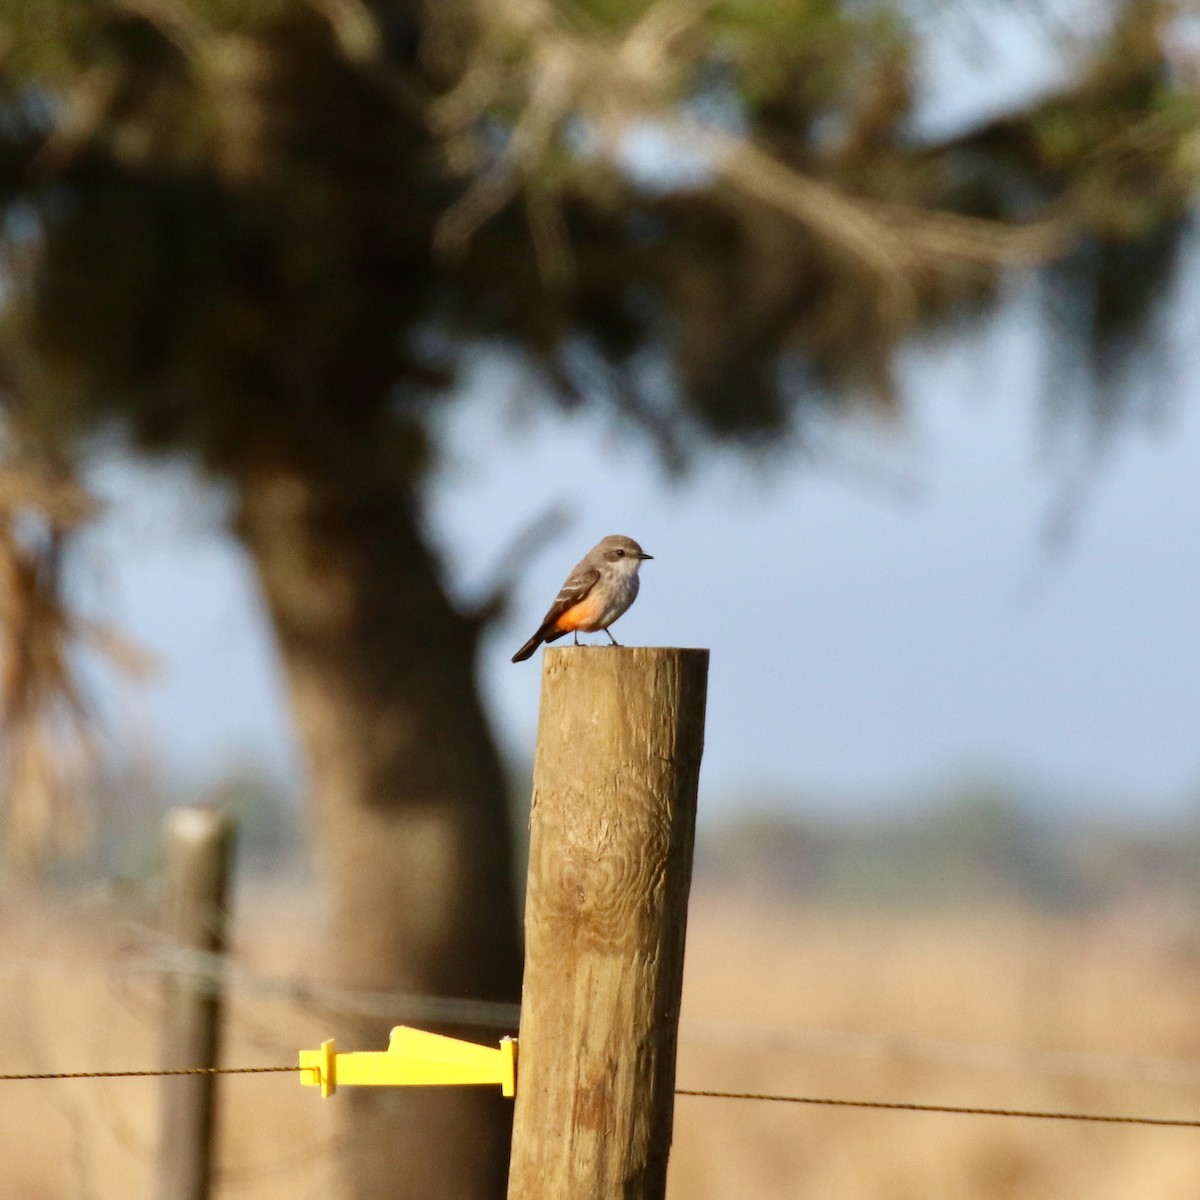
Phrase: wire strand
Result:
[146,1074]
[827,1101]
[209,971]
[897,1106]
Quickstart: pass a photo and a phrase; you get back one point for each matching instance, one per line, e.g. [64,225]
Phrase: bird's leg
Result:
[612,639]
[575,635]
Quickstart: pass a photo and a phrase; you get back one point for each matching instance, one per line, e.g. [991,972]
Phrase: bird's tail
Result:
[526,651]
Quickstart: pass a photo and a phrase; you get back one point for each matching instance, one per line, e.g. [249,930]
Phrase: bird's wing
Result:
[578,584]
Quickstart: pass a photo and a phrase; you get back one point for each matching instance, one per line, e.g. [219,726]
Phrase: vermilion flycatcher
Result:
[600,588]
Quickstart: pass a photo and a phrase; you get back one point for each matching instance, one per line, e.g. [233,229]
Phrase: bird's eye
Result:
[620,553]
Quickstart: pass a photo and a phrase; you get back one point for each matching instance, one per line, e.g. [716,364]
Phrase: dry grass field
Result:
[1002,1009]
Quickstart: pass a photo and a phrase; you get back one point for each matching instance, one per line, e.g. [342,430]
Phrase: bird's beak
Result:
[645,557]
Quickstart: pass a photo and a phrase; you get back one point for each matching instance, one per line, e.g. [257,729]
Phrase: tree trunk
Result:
[409,803]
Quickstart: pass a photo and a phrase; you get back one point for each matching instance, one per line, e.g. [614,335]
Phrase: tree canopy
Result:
[336,197]
[264,233]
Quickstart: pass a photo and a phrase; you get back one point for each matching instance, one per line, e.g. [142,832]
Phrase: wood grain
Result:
[198,847]
[614,804]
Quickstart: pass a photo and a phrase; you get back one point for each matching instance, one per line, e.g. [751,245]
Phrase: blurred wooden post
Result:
[620,735]
[198,844]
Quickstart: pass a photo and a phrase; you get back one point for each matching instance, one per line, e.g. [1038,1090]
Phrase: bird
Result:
[602,586]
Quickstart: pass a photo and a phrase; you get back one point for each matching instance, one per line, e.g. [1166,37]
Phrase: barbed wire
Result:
[963,1110]
[210,974]
[160,957]
[771,1097]
[159,1074]
[157,956]
[207,971]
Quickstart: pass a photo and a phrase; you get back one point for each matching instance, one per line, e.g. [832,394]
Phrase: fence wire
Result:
[212,974]
[157,956]
[160,957]
[826,1101]
[960,1110]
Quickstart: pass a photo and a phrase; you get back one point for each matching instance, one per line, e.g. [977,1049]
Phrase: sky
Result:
[884,615]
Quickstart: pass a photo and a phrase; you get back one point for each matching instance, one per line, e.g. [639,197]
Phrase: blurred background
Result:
[967,621]
[876,325]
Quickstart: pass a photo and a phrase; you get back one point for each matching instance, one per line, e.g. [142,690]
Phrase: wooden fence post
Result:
[198,844]
[620,735]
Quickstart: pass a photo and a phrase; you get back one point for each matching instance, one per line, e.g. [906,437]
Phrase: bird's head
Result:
[623,553]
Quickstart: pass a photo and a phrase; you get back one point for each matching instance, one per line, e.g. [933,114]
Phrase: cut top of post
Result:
[663,667]
[607,697]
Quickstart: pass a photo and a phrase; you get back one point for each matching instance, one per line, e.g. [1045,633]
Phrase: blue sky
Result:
[887,614]
[884,617]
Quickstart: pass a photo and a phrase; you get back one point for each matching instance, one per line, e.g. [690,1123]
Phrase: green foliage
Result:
[263,232]
[41,33]
[803,54]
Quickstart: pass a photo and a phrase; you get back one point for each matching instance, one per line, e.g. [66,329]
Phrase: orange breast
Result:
[583,615]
